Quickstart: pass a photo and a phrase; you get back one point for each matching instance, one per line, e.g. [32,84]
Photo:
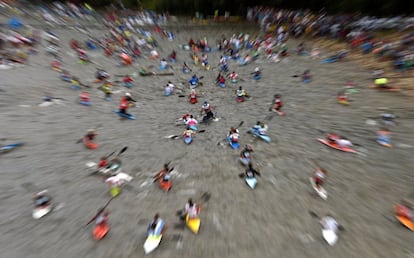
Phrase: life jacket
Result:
[234,137]
[123,104]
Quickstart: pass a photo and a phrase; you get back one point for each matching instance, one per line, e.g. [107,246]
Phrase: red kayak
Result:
[240,99]
[100,231]
[336,146]
[89,144]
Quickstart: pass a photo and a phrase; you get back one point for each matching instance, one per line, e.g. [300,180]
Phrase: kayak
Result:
[265,138]
[251,182]
[336,146]
[384,143]
[85,103]
[222,85]
[234,145]
[405,222]
[128,116]
[401,214]
[40,212]
[9,147]
[343,102]
[321,192]
[307,80]
[330,236]
[193,127]
[89,144]
[239,99]
[100,231]
[234,81]
[165,185]
[153,238]
[245,161]
[388,88]
[257,77]
[193,224]
[188,140]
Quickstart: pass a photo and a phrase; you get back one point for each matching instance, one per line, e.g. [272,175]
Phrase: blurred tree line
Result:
[207,7]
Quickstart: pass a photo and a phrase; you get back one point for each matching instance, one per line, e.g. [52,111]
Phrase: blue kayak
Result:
[128,116]
[234,145]
[265,138]
[10,147]
[85,103]
[251,182]
[188,140]
[222,85]
[193,127]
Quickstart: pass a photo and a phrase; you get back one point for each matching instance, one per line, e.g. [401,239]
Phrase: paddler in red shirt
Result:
[125,103]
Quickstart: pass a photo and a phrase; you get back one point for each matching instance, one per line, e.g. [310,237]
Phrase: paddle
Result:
[120,152]
[313,214]
[177,136]
[157,176]
[103,208]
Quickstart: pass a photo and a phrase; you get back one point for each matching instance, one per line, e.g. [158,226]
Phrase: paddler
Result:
[233,135]
[340,141]
[125,103]
[387,119]
[204,61]
[306,76]
[384,136]
[320,176]
[261,128]
[192,98]
[192,209]
[41,199]
[221,80]
[103,163]
[91,134]
[246,154]
[191,121]
[154,223]
[329,223]
[407,210]
[188,132]
[84,98]
[251,172]
[234,77]
[341,97]
[128,81]
[107,89]
[101,74]
[101,217]
[173,56]
[277,104]
[164,173]
[257,73]
[163,64]
[193,81]
[241,93]
[208,110]
[186,69]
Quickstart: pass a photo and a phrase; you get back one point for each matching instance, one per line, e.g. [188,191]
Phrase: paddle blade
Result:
[205,197]
[241,123]
[123,150]
[241,175]
[107,156]
[313,214]
[202,131]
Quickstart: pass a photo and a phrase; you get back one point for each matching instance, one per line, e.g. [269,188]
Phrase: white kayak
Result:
[321,191]
[40,212]
[251,182]
[330,236]
[154,238]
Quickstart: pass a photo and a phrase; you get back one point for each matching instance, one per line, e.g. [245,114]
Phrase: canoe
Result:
[128,116]
[42,211]
[9,147]
[251,182]
[330,236]
[89,144]
[193,224]
[336,146]
[188,140]
[100,231]
[265,138]
[321,192]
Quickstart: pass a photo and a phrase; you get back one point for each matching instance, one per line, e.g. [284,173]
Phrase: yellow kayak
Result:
[343,102]
[193,224]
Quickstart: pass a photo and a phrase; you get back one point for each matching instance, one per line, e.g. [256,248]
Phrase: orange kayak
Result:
[406,222]
[336,146]
[165,185]
[100,231]
[401,214]
[89,144]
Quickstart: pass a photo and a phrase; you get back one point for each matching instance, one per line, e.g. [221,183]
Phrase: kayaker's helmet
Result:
[249,147]
[256,69]
[127,94]
[91,130]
